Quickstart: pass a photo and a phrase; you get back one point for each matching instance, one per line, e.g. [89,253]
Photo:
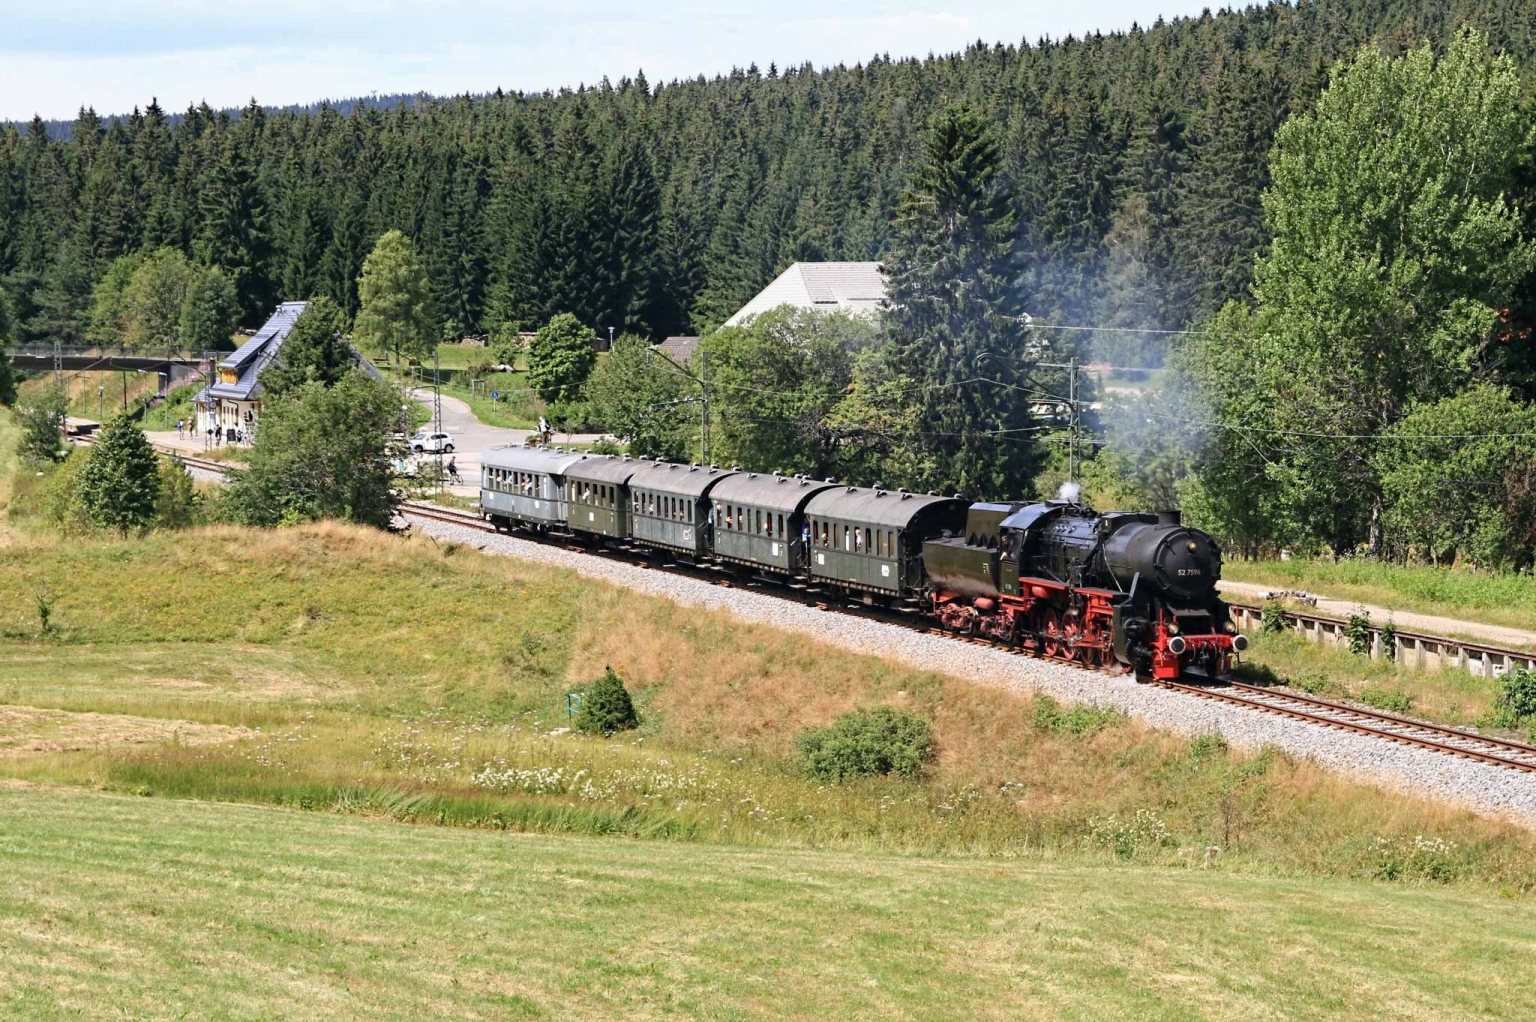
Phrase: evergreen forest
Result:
[1316,221]
[1135,160]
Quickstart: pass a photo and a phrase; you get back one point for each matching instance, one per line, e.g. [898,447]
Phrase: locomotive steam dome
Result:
[1184,562]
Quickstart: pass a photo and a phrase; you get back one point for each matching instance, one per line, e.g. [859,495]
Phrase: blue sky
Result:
[57,55]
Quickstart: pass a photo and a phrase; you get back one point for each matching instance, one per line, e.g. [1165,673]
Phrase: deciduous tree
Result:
[324,452]
[560,358]
[395,313]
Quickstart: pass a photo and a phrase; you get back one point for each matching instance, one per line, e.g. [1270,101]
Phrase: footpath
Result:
[1429,624]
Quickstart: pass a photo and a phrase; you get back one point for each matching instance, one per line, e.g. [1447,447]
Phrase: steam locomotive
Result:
[1120,587]
[1114,590]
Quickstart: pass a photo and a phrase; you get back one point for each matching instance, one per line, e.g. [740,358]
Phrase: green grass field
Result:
[120,907]
[1493,598]
[340,669]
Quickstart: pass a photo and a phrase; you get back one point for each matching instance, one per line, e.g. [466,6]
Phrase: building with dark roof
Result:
[231,404]
[679,349]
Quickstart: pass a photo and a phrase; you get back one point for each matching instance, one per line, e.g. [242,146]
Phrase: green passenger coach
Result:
[757,520]
[669,504]
[871,539]
[595,495]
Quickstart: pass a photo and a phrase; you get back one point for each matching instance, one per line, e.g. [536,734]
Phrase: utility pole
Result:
[437,413]
[704,406]
[703,381]
[1076,419]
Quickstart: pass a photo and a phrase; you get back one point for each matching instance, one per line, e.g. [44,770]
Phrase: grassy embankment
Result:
[1450,696]
[1505,599]
[146,908]
[98,395]
[336,668]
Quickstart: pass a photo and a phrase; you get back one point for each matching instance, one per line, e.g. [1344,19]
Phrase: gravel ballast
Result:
[1484,788]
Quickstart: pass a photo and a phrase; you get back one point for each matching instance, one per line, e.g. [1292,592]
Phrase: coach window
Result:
[867,548]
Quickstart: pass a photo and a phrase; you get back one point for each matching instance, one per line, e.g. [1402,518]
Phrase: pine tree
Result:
[952,307]
[1144,285]
[314,352]
[233,233]
[7,374]
[64,301]
[630,243]
[210,312]
[1221,219]
[119,485]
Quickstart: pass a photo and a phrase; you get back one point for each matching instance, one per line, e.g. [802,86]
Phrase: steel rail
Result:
[1435,744]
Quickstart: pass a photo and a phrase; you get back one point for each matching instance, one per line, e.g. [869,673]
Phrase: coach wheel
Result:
[1050,633]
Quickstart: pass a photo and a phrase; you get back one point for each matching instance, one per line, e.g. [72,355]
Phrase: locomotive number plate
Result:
[1184,572]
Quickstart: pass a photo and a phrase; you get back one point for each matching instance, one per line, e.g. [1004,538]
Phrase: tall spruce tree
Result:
[118,486]
[233,233]
[955,315]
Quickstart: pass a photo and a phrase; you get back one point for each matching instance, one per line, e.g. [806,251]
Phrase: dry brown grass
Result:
[24,729]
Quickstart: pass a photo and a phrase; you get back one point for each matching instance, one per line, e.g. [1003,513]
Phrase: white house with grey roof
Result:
[856,287]
[231,404]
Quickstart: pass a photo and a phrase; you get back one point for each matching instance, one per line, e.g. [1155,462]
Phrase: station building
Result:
[231,404]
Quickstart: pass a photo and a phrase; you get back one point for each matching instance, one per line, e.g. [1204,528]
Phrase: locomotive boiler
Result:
[1126,588]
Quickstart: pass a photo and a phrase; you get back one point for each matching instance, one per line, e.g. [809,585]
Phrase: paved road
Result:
[473,437]
[1430,624]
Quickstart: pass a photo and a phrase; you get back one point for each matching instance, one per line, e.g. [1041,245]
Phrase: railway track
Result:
[201,464]
[1372,723]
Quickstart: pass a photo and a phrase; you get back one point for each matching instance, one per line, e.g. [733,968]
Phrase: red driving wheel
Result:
[1050,633]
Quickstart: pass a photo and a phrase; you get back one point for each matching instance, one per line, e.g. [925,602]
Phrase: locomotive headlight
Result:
[1173,628]
[1239,642]
[1193,546]
[1177,645]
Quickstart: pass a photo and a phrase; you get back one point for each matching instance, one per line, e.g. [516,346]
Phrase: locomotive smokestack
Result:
[1169,518]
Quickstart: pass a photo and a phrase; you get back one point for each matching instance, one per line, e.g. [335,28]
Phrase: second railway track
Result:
[1324,713]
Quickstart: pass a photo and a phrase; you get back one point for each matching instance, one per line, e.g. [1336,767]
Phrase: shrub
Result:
[1359,632]
[1517,695]
[1208,746]
[867,743]
[606,707]
[1273,620]
[1077,720]
[1391,700]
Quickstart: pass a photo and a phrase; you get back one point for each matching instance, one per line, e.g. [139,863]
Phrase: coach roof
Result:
[601,468]
[530,459]
[875,507]
[781,493]
[671,477]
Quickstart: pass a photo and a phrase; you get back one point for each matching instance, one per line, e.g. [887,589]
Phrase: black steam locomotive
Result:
[1120,587]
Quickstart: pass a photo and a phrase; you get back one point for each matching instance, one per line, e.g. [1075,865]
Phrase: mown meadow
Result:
[150,908]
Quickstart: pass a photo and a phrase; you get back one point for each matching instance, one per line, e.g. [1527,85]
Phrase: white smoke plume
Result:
[1069,492]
